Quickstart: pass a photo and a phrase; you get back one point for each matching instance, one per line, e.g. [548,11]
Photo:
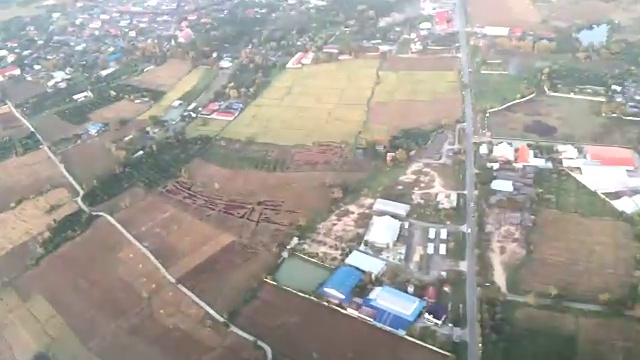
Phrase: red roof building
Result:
[9,71]
[611,156]
[523,154]
[444,21]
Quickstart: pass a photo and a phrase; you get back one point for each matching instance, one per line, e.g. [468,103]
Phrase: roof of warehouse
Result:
[342,281]
[396,302]
[365,262]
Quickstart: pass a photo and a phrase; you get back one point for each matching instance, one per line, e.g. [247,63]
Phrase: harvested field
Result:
[89,160]
[416,86]
[123,109]
[163,77]
[11,125]
[183,86]
[19,90]
[581,257]
[29,175]
[420,63]
[296,327]
[31,217]
[512,13]
[604,339]
[119,306]
[560,119]
[52,128]
[324,102]
[388,118]
[563,13]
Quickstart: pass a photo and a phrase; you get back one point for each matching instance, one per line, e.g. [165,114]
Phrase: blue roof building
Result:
[393,308]
[339,286]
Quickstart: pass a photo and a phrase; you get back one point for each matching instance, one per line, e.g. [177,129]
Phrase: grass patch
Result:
[416,85]
[207,76]
[494,90]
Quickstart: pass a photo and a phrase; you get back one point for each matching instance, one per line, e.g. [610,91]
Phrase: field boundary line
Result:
[139,245]
[360,318]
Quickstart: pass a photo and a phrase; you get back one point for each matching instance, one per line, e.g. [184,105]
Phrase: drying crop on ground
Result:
[583,258]
[27,175]
[163,77]
[560,119]
[31,217]
[325,102]
[105,291]
[297,326]
[185,85]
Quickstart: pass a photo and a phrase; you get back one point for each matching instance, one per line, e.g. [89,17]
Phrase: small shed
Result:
[393,308]
[502,185]
[393,208]
[366,262]
[340,284]
[383,231]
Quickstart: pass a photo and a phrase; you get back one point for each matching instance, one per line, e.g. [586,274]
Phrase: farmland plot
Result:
[163,77]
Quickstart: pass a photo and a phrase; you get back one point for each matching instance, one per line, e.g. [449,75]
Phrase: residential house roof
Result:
[503,151]
[396,302]
[366,262]
[523,154]
[611,156]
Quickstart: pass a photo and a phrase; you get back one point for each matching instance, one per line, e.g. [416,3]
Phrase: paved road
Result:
[471,281]
[137,243]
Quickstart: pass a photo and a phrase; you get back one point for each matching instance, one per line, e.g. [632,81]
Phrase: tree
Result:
[401,155]
[604,298]
[532,299]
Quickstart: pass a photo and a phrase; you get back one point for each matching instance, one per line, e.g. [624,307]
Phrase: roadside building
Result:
[611,156]
[8,72]
[392,208]
[383,232]
[503,151]
[393,308]
[339,286]
[366,262]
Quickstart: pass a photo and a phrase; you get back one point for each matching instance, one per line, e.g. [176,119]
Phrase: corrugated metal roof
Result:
[341,282]
[366,262]
[396,302]
[383,231]
[391,207]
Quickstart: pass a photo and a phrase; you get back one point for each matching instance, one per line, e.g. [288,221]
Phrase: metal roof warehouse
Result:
[393,308]
[340,284]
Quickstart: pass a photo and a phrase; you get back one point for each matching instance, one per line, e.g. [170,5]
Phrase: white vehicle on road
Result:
[431,248]
[442,249]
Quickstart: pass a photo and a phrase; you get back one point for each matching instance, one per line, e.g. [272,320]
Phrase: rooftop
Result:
[383,231]
[366,262]
[341,282]
[391,207]
[396,302]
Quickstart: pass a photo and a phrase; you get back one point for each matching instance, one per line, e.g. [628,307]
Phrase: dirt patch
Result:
[31,217]
[163,77]
[298,327]
[420,63]
[52,128]
[581,257]
[27,175]
[113,298]
[123,109]
[10,124]
[510,13]
[398,115]
[19,90]
[89,160]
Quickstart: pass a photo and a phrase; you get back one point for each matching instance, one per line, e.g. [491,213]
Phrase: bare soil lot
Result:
[20,90]
[52,128]
[123,109]
[163,77]
[581,257]
[89,160]
[398,115]
[120,307]
[508,13]
[420,63]
[300,328]
[27,175]
[560,119]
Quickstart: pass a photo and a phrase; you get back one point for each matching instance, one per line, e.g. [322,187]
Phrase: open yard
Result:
[494,90]
[301,328]
[543,334]
[89,160]
[511,13]
[176,92]
[27,175]
[117,304]
[581,257]
[52,128]
[406,99]
[31,217]
[123,109]
[324,102]
[561,119]
[163,77]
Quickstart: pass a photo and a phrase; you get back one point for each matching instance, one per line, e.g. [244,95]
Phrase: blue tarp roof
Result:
[96,126]
[396,302]
[340,284]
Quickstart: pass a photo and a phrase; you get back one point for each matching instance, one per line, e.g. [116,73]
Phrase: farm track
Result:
[139,245]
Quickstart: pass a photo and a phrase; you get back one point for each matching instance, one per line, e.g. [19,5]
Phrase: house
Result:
[502,185]
[383,232]
[82,96]
[393,309]
[523,154]
[392,208]
[94,129]
[503,151]
[366,262]
[611,156]
[567,151]
[339,286]
[8,72]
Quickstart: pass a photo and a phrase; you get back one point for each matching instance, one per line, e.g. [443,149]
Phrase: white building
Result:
[504,151]
[383,232]
[393,208]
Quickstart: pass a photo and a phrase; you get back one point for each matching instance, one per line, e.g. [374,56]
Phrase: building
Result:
[8,72]
[611,156]
[95,128]
[502,185]
[383,232]
[366,262]
[392,208]
[393,309]
[523,154]
[503,151]
[339,286]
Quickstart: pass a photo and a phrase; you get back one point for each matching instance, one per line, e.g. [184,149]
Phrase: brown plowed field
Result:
[89,160]
[52,128]
[123,109]
[163,77]
[27,175]
[300,328]
[120,307]
[420,63]
[398,115]
[11,125]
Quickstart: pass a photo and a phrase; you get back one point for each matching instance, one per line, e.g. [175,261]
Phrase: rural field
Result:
[209,127]
[52,128]
[30,174]
[583,258]
[99,297]
[420,63]
[163,77]
[185,84]
[324,102]
[31,217]
[512,13]
[296,327]
[19,90]
[494,90]
[123,109]
[543,334]
[89,160]
[561,119]
[11,125]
